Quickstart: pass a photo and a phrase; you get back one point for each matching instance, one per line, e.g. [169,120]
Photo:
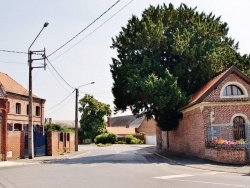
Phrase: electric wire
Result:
[84,28]
[93,31]
[57,79]
[10,51]
[53,112]
[16,52]
[59,74]
[60,102]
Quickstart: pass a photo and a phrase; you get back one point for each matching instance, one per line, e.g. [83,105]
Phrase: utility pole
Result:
[76,115]
[76,120]
[30,60]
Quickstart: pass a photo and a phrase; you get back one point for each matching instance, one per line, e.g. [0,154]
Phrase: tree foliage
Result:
[92,117]
[167,55]
[57,127]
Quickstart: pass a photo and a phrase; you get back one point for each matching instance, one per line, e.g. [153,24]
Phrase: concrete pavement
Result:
[184,160]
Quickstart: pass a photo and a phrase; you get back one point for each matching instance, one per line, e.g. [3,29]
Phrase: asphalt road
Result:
[120,166]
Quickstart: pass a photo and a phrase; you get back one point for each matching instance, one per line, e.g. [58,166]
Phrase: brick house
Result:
[133,125]
[219,111]
[14,100]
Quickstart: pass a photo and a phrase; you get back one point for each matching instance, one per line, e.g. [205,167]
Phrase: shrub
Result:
[130,139]
[106,138]
[57,127]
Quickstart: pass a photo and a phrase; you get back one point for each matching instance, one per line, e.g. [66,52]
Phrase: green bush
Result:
[106,138]
[130,139]
[57,127]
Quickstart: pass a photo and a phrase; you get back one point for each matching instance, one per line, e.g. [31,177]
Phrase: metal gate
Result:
[40,143]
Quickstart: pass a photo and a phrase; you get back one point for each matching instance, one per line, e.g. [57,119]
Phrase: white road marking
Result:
[173,176]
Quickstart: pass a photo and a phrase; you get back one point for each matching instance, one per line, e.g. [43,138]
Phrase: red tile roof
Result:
[9,85]
[205,88]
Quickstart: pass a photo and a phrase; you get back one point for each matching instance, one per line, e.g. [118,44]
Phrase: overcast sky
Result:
[87,57]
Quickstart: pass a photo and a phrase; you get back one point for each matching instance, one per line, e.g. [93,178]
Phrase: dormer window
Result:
[232,90]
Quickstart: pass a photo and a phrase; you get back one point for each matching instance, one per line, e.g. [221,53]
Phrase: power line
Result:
[84,28]
[93,30]
[16,52]
[57,79]
[53,112]
[9,51]
[61,101]
[59,74]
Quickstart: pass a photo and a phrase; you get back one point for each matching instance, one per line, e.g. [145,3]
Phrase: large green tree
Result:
[92,118]
[165,56]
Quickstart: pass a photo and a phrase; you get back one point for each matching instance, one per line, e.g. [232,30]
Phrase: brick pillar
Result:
[52,143]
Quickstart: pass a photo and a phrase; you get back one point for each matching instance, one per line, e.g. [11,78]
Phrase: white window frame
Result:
[245,94]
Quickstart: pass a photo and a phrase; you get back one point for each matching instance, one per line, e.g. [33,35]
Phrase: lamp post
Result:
[76,115]
[30,127]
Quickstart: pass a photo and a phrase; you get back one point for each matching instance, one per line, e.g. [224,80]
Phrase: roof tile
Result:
[11,86]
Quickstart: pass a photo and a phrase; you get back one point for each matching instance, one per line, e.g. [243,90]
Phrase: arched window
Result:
[239,128]
[232,90]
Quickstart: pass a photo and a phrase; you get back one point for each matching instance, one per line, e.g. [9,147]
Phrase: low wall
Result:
[59,143]
[15,144]
[226,155]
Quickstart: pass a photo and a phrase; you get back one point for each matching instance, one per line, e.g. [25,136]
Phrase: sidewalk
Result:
[42,159]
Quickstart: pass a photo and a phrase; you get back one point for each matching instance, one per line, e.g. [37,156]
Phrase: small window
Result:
[38,111]
[27,109]
[232,90]
[17,127]
[18,108]
[10,127]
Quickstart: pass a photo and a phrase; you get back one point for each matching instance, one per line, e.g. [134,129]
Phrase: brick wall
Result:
[226,155]
[15,145]
[189,137]
[148,127]
[52,143]
[59,143]
[71,141]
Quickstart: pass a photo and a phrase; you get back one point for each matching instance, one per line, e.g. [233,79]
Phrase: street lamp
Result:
[30,127]
[76,115]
